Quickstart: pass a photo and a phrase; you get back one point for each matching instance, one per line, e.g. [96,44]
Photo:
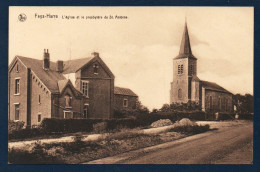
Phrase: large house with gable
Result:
[81,88]
[186,86]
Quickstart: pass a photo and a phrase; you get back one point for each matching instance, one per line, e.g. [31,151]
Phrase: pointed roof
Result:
[62,84]
[124,91]
[48,77]
[213,86]
[185,49]
[71,66]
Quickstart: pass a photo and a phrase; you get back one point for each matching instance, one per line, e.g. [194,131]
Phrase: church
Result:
[187,87]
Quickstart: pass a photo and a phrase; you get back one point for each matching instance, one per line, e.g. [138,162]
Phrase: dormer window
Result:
[180,69]
[95,66]
[68,99]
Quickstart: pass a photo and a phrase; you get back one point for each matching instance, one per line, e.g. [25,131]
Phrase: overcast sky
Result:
[139,50]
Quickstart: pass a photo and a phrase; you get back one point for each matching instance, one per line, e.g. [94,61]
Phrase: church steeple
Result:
[185,48]
[185,42]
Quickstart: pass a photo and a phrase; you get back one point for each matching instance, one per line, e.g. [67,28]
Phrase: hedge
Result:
[56,126]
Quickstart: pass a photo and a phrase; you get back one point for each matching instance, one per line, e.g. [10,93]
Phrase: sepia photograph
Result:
[130,85]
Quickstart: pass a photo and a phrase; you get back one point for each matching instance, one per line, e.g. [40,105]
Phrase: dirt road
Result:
[228,145]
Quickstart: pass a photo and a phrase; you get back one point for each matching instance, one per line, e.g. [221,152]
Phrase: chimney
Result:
[59,66]
[46,60]
[95,54]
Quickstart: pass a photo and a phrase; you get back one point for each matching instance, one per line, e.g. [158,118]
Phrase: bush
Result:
[191,129]
[99,127]
[25,133]
[249,116]
[37,155]
[185,122]
[15,126]
[161,123]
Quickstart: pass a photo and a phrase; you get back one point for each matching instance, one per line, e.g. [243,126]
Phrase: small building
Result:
[125,99]
[81,88]
[186,86]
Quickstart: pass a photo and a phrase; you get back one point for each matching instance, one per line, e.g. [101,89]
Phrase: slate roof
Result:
[71,66]
[185,48]
[213,86]
[124,91]
[48,77]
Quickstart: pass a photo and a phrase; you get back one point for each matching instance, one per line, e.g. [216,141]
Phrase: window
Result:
[17,86]
[68,114]
[210,102]
[85,111]
[226,108]
[95,68]
[179,93]
[68,99]
[180,69]
[125,103]
[39,117]
[16,111]
[219,103]
[39,99]
[17,68]
[84,87]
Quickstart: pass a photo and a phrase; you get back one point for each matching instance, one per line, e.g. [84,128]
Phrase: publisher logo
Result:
[22,17]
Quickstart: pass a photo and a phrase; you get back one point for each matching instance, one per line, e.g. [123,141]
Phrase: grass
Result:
[82,151]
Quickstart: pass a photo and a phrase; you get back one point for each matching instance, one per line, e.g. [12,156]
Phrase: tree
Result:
[244,103]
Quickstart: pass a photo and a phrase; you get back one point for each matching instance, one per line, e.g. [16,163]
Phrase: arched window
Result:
[179,93]
[68,101]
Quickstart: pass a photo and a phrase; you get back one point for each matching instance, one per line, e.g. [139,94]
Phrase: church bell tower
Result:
[184,71]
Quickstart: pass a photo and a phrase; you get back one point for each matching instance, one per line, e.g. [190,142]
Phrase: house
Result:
[81,88]
[125,99]
[186,86]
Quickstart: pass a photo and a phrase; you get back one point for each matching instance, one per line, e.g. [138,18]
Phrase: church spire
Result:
[185,48]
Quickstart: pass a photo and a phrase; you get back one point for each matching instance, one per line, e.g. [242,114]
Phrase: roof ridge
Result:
[79,59]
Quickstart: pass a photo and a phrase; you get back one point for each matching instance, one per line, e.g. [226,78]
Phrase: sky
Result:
[139,48]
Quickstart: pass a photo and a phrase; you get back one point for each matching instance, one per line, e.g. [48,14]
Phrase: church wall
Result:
[180,81]
[221,102]
[193,63]
[195,91]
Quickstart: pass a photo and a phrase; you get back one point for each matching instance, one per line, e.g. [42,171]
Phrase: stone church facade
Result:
[81,88]
[186,86]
